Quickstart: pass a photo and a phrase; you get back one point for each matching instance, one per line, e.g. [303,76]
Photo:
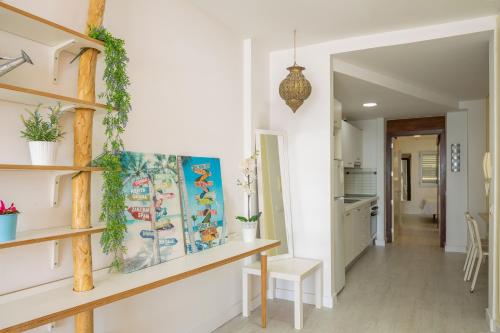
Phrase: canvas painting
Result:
[202,202]
[154,218]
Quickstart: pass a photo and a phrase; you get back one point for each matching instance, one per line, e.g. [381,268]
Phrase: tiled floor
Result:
[411,286]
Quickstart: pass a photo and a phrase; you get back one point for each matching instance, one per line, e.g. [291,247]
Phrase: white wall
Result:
[476,120]
[374,158]
[186,74]
[465,189]
[309,129]
[309,134]
[456,183]
[494,76]
[413,146]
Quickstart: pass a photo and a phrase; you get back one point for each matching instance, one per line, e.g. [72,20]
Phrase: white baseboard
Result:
[287,295]
[236,309]
[255,302]
[379,242]
[307,298]
[491,322]
[453,248]
[218,320]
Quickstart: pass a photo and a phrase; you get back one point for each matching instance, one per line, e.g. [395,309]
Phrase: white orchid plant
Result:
[247,183]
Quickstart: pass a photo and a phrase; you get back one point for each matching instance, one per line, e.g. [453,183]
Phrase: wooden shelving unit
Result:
[58,38]
[87,290]
[31,97]
[48,304]
[27,167]
[40,30]
[49,234]
[55,36]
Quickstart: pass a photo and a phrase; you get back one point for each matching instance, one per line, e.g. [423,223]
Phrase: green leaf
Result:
[256,217]
[242,218]
[39,129]
[118,107]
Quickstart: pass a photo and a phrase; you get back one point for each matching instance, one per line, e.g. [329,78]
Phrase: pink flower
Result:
[11,210]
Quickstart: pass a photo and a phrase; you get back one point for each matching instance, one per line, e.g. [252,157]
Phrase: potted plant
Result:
[247,183]
[8,222]
[42,135]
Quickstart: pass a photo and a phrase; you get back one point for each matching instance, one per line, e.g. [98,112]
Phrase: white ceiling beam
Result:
[405,87]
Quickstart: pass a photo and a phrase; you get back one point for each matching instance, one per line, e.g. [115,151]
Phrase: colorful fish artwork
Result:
[154,216]
[202,202]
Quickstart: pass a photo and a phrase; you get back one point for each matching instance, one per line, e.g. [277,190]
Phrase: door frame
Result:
[408,174]
[410,127]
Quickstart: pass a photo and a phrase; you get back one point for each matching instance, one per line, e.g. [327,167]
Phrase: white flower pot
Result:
[249,231]
[42,152]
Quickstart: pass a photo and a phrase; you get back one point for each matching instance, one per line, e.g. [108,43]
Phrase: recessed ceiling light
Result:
[370,104]
[417,136]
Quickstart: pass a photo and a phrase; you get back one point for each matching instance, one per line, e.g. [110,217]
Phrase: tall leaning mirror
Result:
[273,192]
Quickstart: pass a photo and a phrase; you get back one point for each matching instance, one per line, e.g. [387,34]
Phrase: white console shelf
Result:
[45,304]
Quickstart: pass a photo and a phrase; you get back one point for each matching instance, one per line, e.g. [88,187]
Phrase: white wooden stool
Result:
[292,269]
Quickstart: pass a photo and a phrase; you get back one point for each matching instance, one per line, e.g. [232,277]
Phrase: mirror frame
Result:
[285,186]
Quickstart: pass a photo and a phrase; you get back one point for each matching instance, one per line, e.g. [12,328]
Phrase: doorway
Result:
[415,173]
[435,126]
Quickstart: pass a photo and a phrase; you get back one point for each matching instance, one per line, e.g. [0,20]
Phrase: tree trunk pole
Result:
[82,125]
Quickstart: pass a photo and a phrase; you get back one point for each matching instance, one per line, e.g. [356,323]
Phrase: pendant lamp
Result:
[295,88]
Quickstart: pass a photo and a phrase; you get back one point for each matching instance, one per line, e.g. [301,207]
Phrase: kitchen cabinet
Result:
[365,229]
[348,234]
[337,116]
[352,145]
[356,232]
[337,127]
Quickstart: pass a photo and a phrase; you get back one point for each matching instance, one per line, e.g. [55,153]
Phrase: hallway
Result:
[410,286]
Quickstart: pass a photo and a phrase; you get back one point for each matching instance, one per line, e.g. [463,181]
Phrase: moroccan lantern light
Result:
[295,88]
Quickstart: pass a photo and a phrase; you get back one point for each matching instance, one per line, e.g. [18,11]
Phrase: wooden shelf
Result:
[45,304]
[29,26]
[26,96]
[49,234]
[27,167]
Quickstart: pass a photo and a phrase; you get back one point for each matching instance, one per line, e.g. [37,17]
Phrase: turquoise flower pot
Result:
[8,226]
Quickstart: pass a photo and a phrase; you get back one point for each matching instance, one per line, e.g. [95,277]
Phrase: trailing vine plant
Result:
[118,107]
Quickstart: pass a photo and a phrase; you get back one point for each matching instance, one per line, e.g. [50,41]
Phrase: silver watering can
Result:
[14,62]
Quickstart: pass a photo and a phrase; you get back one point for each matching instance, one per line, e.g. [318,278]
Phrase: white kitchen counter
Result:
[362,201]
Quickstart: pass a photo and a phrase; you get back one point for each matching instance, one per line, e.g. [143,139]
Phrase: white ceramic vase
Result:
[249,231]
[42,152]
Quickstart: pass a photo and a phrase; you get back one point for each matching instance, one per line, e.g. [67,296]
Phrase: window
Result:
[428,168]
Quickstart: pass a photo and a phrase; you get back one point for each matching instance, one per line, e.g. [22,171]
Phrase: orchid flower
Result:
[247,183]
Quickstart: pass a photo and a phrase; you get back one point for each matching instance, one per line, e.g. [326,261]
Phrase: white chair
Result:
[480,252]
[470,245]
[292,269]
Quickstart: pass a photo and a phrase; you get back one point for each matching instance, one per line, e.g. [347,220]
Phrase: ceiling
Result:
[271,22]
[455,66]
[353,92]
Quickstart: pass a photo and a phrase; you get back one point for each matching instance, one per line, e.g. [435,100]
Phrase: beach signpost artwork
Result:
[154,216]
[202,202]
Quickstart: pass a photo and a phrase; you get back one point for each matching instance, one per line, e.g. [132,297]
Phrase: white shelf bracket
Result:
[54,257]
[56,183]
[54,59]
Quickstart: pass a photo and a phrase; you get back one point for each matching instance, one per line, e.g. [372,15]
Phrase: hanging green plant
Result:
[118,107]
